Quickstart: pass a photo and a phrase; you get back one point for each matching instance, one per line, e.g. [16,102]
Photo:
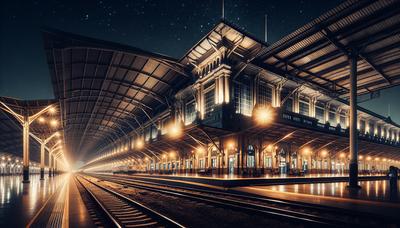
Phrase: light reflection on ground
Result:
[370,190]
[19,202]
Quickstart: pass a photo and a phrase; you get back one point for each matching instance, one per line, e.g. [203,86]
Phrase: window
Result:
[304,106]
[250,156]
[362,126]
[243,99]
[213,162]
[164,123]
[268,161]
[320,113]
[371,128]
[343,120]
[264,97]
[154,132]
[288,105]
[201,163]
[190,112]
[147,133]
[209,98]
[332,118]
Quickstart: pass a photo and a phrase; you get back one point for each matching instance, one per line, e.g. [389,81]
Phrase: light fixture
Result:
[324,153]
[139,144]
[263,115]
[41,120]
[175,130]
[53,123]
[52,110]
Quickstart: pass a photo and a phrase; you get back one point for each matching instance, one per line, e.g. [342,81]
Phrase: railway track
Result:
[121,211]
[227,201]
[356,216]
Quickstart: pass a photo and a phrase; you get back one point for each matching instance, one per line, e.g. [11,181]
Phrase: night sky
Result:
[167,27]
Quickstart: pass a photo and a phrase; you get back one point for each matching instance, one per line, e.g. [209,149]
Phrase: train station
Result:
[265,133]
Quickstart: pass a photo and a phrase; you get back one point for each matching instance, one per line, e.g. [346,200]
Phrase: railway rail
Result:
[297,212]
[121,211]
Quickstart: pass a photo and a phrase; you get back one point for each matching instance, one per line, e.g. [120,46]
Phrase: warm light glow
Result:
[269,147]
[41,120]
[53,123]
[306,151]
[342,155]
[369,158]
[52,110]
[139,144]
[384,159]
[172,154]
[175,130]
[3,158]
[263,115]
[324,153]
[231,145]
[200,150]
[164,156]
[360,157]
[57,134]
[146,158]
[377,159]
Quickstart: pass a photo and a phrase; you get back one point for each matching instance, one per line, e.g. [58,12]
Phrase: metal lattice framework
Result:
[318,52]
[106,90]
[11,129]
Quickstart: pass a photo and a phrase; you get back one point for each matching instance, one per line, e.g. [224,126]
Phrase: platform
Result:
[54,202]
[226,181]
[23,200]
[373,197]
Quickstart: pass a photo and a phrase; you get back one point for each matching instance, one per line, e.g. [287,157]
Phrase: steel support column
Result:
[42,150]
[25,142]
[50,166]
[353,168]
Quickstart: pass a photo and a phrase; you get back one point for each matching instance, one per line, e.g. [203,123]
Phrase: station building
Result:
[233,104]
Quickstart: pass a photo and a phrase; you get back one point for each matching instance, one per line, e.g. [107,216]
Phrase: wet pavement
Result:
[370,190]
[374,196]
[19,202]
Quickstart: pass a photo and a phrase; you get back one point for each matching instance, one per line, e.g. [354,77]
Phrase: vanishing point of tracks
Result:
[121,211]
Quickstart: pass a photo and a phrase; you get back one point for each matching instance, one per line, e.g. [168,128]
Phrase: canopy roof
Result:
[318,52]
[107,90]
[11,129]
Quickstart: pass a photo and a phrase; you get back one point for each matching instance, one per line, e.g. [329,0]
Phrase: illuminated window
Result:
[243,99]
[147,133]
[250,157]
[201,163]
[304,106]
[213,162]
[264,97]
[190,112]
[268,161]
[209,98]
[154,132]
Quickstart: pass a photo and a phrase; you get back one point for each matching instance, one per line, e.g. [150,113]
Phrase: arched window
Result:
[250,156]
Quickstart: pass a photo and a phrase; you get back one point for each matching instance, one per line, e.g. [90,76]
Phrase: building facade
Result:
[239,118]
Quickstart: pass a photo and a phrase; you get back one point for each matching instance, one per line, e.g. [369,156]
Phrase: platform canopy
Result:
[317,53]
[106,89]
[11,129]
